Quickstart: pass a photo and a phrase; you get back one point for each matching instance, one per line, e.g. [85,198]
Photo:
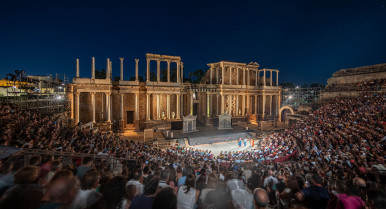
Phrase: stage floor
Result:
[232,146]
[210,138]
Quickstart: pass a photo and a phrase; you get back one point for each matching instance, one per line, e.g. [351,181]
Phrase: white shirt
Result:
[186,201]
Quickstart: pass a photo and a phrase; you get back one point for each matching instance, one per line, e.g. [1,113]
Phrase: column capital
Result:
[136,60]
[108,93]
[121,58]
[168,61]
[77,93]
[122,94]
[158,61]
[92,93]
[148,94]
[147,60]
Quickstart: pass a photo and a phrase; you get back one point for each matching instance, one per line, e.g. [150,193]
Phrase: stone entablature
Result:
[245,93]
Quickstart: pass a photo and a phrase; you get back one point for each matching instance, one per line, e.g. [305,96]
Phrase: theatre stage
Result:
[211,138]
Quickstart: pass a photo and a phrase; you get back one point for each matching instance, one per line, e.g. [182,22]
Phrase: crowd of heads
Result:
[371,85]
[338,163]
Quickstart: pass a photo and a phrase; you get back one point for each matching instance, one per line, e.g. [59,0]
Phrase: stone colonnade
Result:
[158,106]
[108,68]
[218,68]
[250,104]
[240,99]
[168,59]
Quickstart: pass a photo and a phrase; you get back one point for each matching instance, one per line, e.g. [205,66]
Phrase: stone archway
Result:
[283,109]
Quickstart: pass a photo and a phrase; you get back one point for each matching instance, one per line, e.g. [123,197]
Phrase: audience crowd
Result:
[372,85]
[333,158]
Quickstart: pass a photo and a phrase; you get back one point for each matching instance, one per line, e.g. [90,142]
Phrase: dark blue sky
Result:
[306,40]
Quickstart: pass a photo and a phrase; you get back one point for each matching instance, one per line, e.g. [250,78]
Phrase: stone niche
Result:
[189,124]
[225,121]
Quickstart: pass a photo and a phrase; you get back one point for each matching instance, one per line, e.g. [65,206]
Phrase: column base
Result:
[137,125]
[208,121]
[121,125]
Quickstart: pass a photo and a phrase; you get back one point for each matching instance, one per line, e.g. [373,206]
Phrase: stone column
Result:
[264,77]
[168,68]
[136,69]
[178,106]
[248,104]
[230,104]
[222,104]
[77,68]
[178,72]
[147,70]
[208,104]
[270,104]
[211,104]
[168,106]
[93,106]
[158,107]
[277,78]
[222,75]
[263,113]
[158,70]
[243,106]
[237,105]
[237,75]
[278,103]
[248,77]
[121,68]
[92,67]
[256,78]
[271,78]
[72,99]
[182,105]
[217,75]
[217,96]
[108,107]
[111,69]
[182,72]
[77,95]
[136,106]
[256,106]
[211,71]
[230,75]
[191,103]
[243,76]
[147,106]
[122,112]
[107,68]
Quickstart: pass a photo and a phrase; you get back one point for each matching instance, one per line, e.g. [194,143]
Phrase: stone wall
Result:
[355,78]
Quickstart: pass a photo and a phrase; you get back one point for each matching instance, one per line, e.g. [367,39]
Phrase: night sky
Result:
[306,40]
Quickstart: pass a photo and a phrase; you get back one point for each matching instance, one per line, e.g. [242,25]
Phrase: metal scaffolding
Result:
[41,93]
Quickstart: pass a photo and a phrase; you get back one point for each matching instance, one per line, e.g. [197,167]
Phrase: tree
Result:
[304,86]
[100,74]
[316,85]
[287,85]
[198,74]
[153,76]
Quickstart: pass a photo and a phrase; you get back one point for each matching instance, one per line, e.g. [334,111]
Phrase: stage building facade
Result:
[243,90]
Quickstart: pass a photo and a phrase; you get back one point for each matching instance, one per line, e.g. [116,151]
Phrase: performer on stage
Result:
[239,141]
[245,141]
